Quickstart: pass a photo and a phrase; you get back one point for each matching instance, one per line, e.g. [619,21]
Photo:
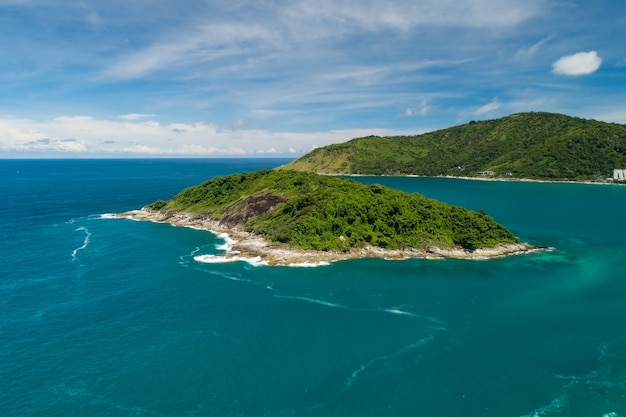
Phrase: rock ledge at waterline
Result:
[248,245]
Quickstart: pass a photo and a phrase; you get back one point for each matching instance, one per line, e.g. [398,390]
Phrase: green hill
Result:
[543,146]
[311,211]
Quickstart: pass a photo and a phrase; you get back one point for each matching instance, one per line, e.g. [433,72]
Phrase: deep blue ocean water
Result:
[112,317]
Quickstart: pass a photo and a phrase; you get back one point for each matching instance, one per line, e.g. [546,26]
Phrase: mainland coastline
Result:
[245,245]
[476,178]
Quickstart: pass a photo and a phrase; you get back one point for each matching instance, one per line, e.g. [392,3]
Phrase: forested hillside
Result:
[311,211]
[526,145]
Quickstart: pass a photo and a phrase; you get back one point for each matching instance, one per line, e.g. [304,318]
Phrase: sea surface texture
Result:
[113,317]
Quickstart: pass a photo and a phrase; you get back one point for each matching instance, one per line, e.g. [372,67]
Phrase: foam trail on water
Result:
[405,357]
[354,375]
[231,277]
[555,406]
[111,404]
[85,242]
[312,300]
[402,312]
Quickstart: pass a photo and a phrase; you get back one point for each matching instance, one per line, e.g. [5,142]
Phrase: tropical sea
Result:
[114,317]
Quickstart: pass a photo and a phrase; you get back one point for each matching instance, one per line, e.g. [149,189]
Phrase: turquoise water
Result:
[104,317]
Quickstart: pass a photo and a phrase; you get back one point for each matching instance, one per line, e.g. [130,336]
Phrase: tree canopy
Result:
[311,211]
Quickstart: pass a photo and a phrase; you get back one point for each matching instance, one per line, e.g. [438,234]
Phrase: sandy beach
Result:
[248,246]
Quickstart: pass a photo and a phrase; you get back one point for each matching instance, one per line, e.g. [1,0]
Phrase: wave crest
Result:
[219,259]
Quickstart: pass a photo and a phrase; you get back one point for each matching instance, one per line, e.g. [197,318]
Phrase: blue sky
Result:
[213,78]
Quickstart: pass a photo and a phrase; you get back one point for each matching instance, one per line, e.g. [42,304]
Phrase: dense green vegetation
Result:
[525,145]
[311,211]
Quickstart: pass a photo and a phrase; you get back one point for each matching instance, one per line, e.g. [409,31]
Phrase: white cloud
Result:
[525,53]
[280,31]
[87,135]
[135,116]
[581,63]
[615,115]
[422,110]
[405,14]
[190,46]
[489,107]
[18,131]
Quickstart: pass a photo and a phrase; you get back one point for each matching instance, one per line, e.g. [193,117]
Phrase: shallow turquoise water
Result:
[105,317]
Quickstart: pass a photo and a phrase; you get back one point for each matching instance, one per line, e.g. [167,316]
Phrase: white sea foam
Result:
[225,247]
[555,406]
[354,375]
[229,276]
[218,259]
[400,312]
[422,342]
[234,278]
[387,363]
[190,227]
[128,216]
[85,242]
[308,264]
[312,300]
[227,244]
[113,405]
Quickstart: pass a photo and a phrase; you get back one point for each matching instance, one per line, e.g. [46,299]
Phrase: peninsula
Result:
[287,217]
[535,146]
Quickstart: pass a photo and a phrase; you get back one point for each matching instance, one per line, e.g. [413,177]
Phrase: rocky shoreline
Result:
[251,246]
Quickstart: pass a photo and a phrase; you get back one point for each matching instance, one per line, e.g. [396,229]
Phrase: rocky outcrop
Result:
[249,245]
[245,209]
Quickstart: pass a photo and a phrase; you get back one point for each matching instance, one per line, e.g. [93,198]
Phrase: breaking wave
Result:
[219,259]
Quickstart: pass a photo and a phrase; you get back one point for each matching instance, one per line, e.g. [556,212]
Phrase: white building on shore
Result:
[619,175]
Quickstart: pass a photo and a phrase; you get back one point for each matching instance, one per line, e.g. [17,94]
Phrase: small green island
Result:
[289,217]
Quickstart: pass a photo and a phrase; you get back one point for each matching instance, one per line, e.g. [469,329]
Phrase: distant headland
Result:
[533,146]
[284,217]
